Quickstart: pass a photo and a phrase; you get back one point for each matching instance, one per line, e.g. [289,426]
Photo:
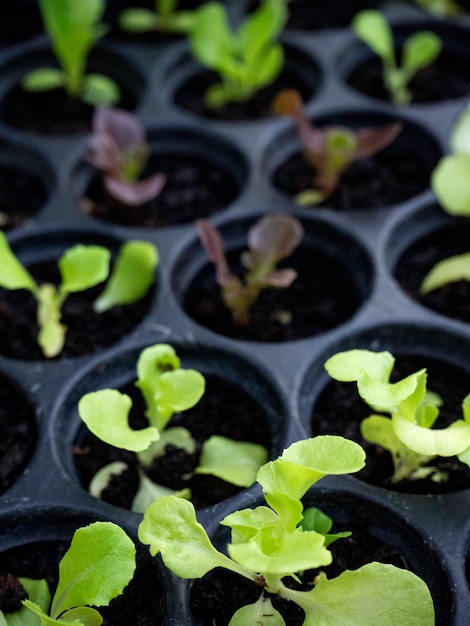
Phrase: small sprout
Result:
[120,150]
[81,267]
[247,59]
[73,28]
[440,8]
[407,433]
[280,540]
[330,150]
[165,18]
[419,50]
[166,389]
[96,568]
[272,239]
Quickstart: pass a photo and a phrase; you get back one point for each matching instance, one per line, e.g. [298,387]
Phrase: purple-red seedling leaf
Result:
[373,140]
[273,238]
[135,194]
[122,126]
[281,278]
[213,244]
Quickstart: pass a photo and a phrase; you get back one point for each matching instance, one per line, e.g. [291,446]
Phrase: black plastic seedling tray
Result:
[364,245]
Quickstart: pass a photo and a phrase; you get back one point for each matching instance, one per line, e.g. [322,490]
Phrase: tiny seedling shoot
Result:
[272,239]
[246,59]
[166,388]
[81,267]
[96,568]
[73,28]
[406,430]
[330,150]
[166,18]
[439,8]
[419,50]
[119,149]
[274,544]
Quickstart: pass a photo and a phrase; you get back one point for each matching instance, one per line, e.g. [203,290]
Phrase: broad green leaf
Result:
[12,274]
[450,181]
[246,523]
[149,491]
[460,136]
[261,613]
[420,50]
[266,68]
[152,362]
[236,462]
[349,365]
[447,271]
[106,412]
[131,277]
[170,526]
[103,477]
[373,29]
[260,29]
[211,38]
[43,79]
[82,267]
[374,594]
[138,20]
[176,436]
[83,616]
[314,519]
[436,442]
[379,430]
[38,592]
[389,396]
[177,391]
[99,90]
[95,569]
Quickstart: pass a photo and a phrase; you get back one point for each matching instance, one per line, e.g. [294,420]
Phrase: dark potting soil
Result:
[224,409]
[190,96]
[448,77]
[452,300]
[195,187]
[140,604]
[339,411]
[22,194]
[17,434]
[392,176]
[87,332]
[321,297]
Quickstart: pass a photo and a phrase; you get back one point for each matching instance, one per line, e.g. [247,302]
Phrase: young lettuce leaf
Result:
[165,18]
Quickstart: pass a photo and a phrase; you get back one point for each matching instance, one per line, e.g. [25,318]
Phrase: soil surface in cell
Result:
[195,187]
[224,410]
[87,332]
[339,411]
[452,300]
[22,194]
[141,603]
[321,297]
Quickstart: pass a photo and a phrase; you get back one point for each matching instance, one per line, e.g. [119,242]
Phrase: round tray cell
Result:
[238,403]
[333,407]
[26,181]
[53,112]
[399,172]
[204,174]
[18,433]
[378,534]
[300,72]
[87,331]
[33,546]
[334,278]
[447,78]
[414,248]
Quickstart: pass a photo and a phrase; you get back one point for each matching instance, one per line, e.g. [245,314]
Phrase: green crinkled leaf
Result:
[388,396]
[149,491]
[12,273]
[131,277]
[82,267]
[43,79]
[348,366]
[447,271]
[106,412]
[211,39]
[450,181]
[152,362]
[261,613]
[373,29]
[260,29]
[420,50]
[177,391]
[246,523]
[434,442]
[236,462]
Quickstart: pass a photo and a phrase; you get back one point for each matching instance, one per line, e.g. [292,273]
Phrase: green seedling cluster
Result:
[419,50]
[166,18]
[81,267]
[408,414]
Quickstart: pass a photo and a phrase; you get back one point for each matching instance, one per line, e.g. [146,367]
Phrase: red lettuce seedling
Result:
[331,149]
[120,150]
[270,240]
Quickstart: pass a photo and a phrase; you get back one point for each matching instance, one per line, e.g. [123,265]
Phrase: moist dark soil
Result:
[17,434]
[339,411]
[190,96]
[392,176]
[446,78]
[87,332]
[22,195]
[224,410]
[321,297]
[452,300]
[141,603]
[195,187]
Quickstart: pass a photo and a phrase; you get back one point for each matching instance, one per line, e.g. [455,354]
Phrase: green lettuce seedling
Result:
[419,50]
[165,18]
[246,59]
[73,28]
[270,544]
[407,431]
[440,8]
[81,267]
[330,150]
[270,240]
[166,389]
[96,568]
